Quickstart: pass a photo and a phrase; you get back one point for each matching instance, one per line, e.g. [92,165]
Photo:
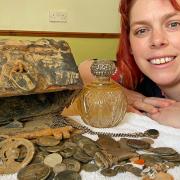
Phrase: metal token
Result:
[148,140]
[108,172]
[72,164]
[138,144]
[53,149]
[67,175]
[59,168]
[134,170]
[34,172]
[81,156]
[68,149]
[120,169]
[90,167]
[9,152]
[153,133]
[52,159]
[163,151]
[47,141]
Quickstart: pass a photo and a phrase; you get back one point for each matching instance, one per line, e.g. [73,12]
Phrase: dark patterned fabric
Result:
[149,88]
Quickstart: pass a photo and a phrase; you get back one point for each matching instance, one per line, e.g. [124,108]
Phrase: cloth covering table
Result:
[132,122]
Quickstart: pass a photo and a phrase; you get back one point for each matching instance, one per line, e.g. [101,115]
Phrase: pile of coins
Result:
[50,158]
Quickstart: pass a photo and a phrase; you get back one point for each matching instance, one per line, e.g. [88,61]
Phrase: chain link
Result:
[60,121]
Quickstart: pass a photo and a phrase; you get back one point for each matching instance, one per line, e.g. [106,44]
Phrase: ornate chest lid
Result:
[33,67]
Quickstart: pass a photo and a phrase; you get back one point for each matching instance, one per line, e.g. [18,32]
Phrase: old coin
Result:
[47,141]
[163,151]
[90,167]
[120,169]
[108,172]
[59,168]
[149,140]
[152,133]
[34,172]
[135,170]
[72,164]
[52,159]
[67,175]
[68,149]
[81,156]
[53,149]
[138,144]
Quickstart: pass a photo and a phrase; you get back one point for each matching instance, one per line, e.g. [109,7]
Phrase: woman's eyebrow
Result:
[164,17]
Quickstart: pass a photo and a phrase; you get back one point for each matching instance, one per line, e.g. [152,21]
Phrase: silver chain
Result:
[60,121]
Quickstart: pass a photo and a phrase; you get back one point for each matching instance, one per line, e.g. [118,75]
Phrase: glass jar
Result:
[103,103]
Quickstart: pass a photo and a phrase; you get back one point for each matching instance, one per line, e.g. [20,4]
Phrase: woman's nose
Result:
[158,39]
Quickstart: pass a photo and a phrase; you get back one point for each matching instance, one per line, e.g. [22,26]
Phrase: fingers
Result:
[158,102]
[132,109]
[142,106]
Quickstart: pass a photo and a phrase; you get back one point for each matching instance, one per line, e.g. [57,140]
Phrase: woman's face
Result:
[155,40]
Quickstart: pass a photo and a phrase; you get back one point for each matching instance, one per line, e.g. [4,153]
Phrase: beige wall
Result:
[99,16]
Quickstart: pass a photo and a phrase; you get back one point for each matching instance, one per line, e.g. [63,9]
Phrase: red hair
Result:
[126,66]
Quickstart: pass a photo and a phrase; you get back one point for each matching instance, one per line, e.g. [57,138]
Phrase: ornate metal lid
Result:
[103,68]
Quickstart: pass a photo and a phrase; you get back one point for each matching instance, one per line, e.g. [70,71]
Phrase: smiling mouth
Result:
[163,60]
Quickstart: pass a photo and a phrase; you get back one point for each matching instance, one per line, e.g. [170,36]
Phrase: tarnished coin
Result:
[171,158]
[47,141]
[72,164]
[138,144]
[152,133]
[34,172]
[134,170]
[108,172]
[90,149]
[52,159]
[68,149]
[38,158]
[82,156]
[120,169]
[68,175]
[149,140]
[59,168]
[53,149]
[51,175]
[90,167]
[163,151]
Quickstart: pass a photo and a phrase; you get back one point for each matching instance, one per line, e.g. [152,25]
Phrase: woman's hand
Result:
[140,104]
[169,116]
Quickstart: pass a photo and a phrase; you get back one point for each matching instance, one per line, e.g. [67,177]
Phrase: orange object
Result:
[139,161]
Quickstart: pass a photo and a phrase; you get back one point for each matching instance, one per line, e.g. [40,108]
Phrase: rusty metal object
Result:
[36,78]
[9,153]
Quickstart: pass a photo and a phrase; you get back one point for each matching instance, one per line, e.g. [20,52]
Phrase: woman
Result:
[148,59]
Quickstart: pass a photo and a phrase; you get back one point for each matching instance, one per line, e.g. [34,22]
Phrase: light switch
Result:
[58,16]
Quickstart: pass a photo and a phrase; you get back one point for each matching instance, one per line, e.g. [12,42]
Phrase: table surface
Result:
[132,123]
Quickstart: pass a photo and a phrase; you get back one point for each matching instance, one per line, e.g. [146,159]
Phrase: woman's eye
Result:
[174,25]
[141,32]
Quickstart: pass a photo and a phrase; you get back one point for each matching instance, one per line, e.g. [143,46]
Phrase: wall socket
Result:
[58,16]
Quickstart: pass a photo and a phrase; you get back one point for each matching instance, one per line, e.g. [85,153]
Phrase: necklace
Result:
[59,121]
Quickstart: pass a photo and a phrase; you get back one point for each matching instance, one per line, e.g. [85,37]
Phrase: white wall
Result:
[99,16]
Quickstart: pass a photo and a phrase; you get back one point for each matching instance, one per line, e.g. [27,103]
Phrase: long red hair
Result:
[126,66]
